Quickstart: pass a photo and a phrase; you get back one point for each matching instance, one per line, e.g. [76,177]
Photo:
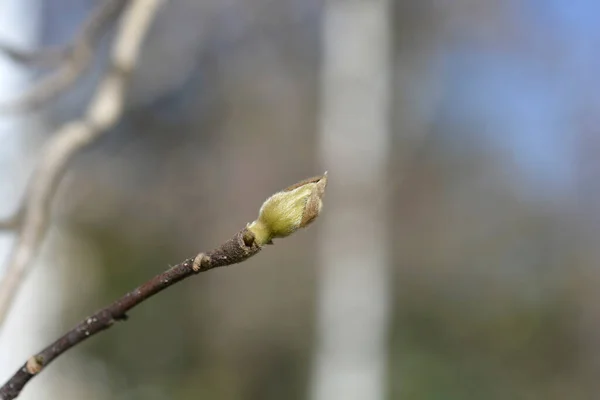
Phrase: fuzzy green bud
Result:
[289,210]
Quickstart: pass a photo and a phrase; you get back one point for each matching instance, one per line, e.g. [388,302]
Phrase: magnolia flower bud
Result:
[285,212]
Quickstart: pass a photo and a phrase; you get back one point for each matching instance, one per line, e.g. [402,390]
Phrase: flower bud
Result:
[285,212]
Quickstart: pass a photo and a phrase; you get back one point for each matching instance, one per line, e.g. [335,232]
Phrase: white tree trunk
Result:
[32,321]
[19,337]
[353,300]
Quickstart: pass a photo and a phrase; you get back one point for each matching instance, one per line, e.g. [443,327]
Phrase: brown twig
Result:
[237,249]
[273,221]
[103,112]
[73,60]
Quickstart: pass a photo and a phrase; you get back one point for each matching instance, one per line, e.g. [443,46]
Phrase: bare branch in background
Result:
[45,58]
[103,112]
[280,215]
[71,62]
[12,222]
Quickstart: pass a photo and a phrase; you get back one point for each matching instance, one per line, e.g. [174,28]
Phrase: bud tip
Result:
[285,212]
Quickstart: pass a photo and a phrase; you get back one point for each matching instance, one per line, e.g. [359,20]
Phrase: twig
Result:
[237,249]
[12,222]
[280,215]
[73,59]
[103,112]
[47,57]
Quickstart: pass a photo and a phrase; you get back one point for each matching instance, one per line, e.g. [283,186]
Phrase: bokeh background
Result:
[486,250]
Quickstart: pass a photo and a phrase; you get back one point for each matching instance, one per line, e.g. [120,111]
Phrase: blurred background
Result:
[457,253]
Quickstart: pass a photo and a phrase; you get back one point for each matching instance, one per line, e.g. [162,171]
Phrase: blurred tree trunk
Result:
[19,21]
[354,296]
[34,318]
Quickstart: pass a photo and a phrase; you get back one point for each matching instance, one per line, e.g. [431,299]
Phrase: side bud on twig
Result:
[289,210]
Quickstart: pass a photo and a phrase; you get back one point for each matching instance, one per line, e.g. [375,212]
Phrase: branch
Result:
[103,112]
[237,249]
[12,222]
[47,57]
[303,201]
[73,60]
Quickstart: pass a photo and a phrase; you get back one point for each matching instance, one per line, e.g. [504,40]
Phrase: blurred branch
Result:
[48,57]
[72,60]
[12,222]
[237,249]
[280,215]
[103,112]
